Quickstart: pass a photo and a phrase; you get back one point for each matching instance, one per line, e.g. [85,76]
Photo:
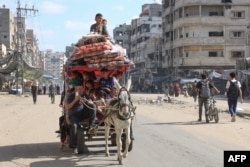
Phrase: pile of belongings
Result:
[97,51]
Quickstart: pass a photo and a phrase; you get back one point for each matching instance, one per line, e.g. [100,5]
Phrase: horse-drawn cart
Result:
[91,55]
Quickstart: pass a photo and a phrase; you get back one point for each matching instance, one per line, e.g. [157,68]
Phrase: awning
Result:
[188,80]
[159,78]
[48,76]
[246,72]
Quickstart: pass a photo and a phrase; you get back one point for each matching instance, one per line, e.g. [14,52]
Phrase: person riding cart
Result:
[77,112]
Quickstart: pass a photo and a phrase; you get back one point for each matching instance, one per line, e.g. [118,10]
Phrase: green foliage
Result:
[31,74]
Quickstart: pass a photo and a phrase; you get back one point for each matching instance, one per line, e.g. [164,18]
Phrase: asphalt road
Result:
[28,138]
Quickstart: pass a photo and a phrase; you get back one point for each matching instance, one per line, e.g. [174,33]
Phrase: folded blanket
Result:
[90,39]
[91,48]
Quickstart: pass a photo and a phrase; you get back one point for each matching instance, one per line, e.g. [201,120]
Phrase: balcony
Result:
[197,20]
[181,3]
[198,41]
[202,62]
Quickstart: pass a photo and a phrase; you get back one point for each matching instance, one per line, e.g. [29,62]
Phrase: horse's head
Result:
[124,103]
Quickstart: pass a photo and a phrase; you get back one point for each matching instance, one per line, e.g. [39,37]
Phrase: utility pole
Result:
[21,34]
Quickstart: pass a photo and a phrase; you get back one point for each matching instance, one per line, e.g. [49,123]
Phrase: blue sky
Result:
[62,22]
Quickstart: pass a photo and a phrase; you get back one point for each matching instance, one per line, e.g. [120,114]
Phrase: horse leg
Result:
[107,128]
[119,144]
[127,131]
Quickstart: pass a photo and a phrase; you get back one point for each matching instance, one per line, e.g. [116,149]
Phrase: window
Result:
[238,54]
[215,34]
[238,14]
[237,34]
[154,25]
[212,54]
[119,33]
[166,4]
[213,14]
[226,1]
[120,42]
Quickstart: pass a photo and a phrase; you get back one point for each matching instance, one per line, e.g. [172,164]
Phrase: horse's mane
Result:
[113,102]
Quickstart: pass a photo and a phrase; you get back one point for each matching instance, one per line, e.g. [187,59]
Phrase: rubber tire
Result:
[216,115]
[124,143]
[210,116]
[113,139]
[80,140]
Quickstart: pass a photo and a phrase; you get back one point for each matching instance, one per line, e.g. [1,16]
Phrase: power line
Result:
[22,13]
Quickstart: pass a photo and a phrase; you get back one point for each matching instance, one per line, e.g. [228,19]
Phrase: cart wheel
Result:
[210,114]
[124,143]
[113,139]
[80,141]
[216,115]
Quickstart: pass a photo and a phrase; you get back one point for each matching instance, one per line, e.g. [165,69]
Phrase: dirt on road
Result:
[28,138]
[184,111]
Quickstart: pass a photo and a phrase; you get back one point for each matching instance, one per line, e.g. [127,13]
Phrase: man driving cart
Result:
[79,110]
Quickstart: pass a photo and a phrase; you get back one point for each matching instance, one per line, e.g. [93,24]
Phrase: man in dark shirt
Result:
[34,91]
[78,111]
[52,91]
[99,27]
[204,100]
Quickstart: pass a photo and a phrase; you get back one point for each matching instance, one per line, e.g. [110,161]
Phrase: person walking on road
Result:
[203,88]
[34,91]
[233,89]
[193,91]
[52,91]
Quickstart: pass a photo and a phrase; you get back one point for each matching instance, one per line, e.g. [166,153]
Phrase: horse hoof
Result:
[107,154]
[125,155]
[120,162]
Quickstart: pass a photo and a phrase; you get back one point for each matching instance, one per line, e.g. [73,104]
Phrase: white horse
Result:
[118,114]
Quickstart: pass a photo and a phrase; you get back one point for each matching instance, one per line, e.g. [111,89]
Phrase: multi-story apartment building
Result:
[32,56]
[8,28]
[69,50]
[121,35]
[53,62]
[142,40]
[205,34]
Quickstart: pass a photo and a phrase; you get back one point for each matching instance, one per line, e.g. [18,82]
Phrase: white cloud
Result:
[52,7]
[119,7]
[158,1]
[76,25]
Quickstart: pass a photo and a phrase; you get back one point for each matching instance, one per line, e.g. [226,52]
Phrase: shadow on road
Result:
[49,154]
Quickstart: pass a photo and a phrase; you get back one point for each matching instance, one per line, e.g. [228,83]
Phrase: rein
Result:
[116,107]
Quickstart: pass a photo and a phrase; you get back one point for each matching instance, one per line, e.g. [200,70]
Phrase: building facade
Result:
[32,54]
[142,40]
[8,28]
[202,34]
[3,50]
[121,35]
[53,63]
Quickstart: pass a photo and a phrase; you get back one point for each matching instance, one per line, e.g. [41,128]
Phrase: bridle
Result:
[121,105]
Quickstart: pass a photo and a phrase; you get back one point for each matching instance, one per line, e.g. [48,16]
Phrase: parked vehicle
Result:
[16,90]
